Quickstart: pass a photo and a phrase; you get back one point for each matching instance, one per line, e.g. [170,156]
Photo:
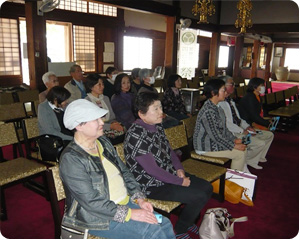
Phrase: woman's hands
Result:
[142,215]
[116,126]
[238,144]
[145,214]
[186,180]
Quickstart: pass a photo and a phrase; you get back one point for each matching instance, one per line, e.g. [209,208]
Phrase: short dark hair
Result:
[135,73]
[61,94]
[212,87]
[172,79]
[91,80]
[118,82]
[143,100]
[110,70]
[254,83]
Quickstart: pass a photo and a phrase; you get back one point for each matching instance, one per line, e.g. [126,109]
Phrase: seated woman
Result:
[51,113]
[250,106]
[146,81]
[156,166]
[111,74]
[122,101]
[136,82]
[94,87]
[102,196]
[172,101]
[211,136]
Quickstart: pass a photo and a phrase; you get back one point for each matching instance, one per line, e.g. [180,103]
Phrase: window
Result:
[59,48]
[88,6]
[84,47]
[223,57]
[292,58]
[137,53]
[9,47]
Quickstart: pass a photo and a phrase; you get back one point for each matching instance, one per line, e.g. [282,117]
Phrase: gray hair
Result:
[73,68]
[143,73]
[225,78]
[46,77]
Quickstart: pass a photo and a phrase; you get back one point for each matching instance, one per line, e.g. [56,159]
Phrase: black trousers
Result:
[194,197]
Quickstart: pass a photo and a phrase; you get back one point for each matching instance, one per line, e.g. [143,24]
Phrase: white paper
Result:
[108,57]
[246,180]
[109,47]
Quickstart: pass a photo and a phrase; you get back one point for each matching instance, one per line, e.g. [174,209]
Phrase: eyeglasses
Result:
[229,84]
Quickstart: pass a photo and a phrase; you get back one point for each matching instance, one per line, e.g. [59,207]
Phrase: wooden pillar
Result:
[171,47]
[214,54]
[255,55]
[239,44]
[269,48]
[36,45]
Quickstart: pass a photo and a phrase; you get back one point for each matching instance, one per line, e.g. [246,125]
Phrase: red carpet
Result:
[275,214]
[279,86]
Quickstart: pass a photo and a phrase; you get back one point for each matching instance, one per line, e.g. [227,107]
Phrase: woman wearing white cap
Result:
[102,196]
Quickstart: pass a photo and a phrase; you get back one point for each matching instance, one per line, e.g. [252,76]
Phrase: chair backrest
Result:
[12,111]
[287,93]
[270,98]
[177,136]
[31,127]
[120,150]
[190,125]
[183,82]
[59,187]
[240,91]
[8,134]
[6,98]
[194,84]
[28,95]
[279,96]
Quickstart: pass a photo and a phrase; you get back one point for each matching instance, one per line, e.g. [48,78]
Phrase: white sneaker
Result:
[263,160]
[256,166]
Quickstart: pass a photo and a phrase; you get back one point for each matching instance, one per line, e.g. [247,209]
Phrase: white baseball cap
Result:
[80,111]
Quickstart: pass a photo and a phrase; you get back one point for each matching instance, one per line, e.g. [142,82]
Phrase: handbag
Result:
[50,147]
[217,223]
[233,192]
[72,233]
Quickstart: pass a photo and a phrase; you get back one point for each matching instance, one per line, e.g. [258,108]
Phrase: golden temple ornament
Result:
[204,8]
[244,16]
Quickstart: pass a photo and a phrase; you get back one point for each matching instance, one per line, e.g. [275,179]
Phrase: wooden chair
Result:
[57,194]
[6,98]
[162,206]
[279,98]
[195,83]
[270,103]
[178,139]
[269,86]
[159,85]
[183,82]
[28,98]
[16,170]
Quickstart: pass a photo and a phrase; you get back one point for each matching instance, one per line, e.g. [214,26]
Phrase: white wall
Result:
[148,21]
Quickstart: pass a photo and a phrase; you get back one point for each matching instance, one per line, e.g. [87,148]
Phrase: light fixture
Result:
[204,8]
[244,16]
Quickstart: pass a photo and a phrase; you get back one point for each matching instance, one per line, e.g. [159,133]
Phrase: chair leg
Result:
[3,214]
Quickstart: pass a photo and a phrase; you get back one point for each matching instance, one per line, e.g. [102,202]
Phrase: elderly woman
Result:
[211,135]
[172,101]
[147,80]
[156,166]
[50,80]
[122,100]
[51,113]
[102,196]
[94,87]
[250,106]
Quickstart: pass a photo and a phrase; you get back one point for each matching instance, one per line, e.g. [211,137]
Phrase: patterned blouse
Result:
[172,102]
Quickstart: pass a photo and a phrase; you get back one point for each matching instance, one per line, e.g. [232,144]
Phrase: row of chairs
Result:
[177,137]
[28,98]
[284,104]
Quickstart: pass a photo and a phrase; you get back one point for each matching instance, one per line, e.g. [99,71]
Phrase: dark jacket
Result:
[85,182]
[250,108]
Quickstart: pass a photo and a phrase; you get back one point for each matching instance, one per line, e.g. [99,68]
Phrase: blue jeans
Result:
[136,230]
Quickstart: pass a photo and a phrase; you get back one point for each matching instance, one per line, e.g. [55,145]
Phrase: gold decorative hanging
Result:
[204,8]
[244,16]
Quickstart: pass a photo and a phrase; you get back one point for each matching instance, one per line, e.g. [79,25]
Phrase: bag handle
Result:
[247,202]
[234,220]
